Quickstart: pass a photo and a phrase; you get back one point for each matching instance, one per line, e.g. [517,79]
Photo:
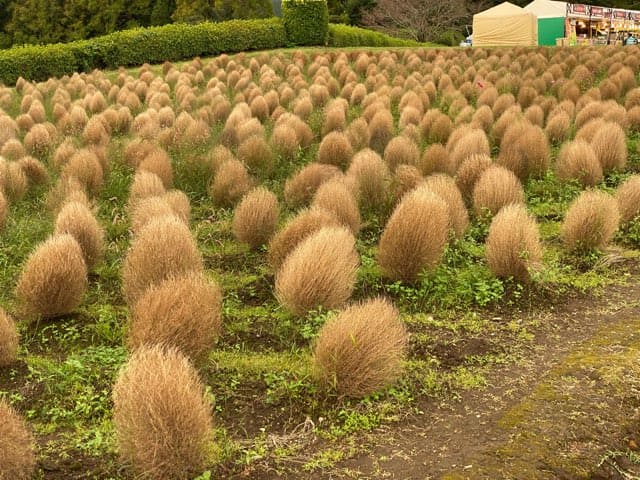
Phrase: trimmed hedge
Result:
[347,36]
[138,46]
[306,21]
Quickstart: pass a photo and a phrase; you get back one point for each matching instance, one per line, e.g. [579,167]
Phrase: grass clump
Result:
[513,246]
[182,312]
[361,349]
[256,217]
[161,415]
[496,187]
[17,446]
[319,272]
[591,221]
[54,278]
[8,339]
[577,160]
[76,219]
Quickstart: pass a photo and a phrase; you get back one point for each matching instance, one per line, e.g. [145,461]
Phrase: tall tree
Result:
[161,12]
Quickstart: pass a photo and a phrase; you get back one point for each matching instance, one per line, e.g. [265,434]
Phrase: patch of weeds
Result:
[323,459]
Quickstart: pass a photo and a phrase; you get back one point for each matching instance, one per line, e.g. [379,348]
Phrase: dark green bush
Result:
[347,36]
[450,38]
[138,46]
[306,21]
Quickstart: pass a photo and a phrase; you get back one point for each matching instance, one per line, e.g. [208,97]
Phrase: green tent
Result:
[551,16]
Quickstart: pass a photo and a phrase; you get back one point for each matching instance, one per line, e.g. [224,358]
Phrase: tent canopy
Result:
[505,24]
[547,9]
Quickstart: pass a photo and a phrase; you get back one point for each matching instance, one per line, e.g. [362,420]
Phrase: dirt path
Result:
[561,412]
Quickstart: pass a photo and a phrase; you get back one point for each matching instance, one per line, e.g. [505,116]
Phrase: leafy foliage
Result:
[306,21]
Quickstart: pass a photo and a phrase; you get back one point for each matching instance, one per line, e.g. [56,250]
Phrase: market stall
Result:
[505,24]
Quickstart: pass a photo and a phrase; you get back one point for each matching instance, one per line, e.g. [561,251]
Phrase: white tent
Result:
[505,24]
[547,9]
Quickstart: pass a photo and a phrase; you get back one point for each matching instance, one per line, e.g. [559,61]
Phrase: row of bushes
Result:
[347,36]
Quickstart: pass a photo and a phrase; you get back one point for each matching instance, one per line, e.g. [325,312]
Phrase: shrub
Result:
[358,134]
[320,271]
[513,245]
[577,160]
[256,154]
[335,149]
[300,188]
[35,171]
[372,178]
[495,188]
[349,36]
[628,196]
[8,340]
[76,219]
[54,278]
[336,197]
[469,172]
[524,150]
[401,151]
[17,445]
[610,146]
[183,312]
[436,159]
[557,128]
[360,350]
[305,223]
[85,166]
[474,142]
[230,183]
[415,235]
[4,210]
[149,208]
[591,221]
[162,249]
[406,178]
[12,180]
[255,219]
[445,187]
[380,130]
[306,21]
[144,185]
[161,415]
[158,162]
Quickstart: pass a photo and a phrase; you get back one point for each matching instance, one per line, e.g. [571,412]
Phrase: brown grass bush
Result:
[535,115]
[380,130]
[591,221]
[589,129]
[95,132]
[610,146]
[628,197]
[503,122]
[482,118]
[334,118]
[144,185]
[335,149]
[436,159]
[306,222]
[372,178]
[179,202]
[53,280]
[401,151]
[62,154]
[38,141]
[405,179]
[469,172]
[4,210]
[358,134]
[633,119]
[230,183]
[63,192]
[85,166]
[285,141]
[256,154]
[136,150]
[76,219]
[8,340]
[414,238]
[513,246]
[161,415]
[440,130]
[495,188]
[445,187]
[13,149]
[255,219]
[474,142]
[577,160]
[13,180]
[158,162]
[183,312]
[300,188]
[17,446]
[351,354]
[557,128]
[320,271]
[148,209]
[162,249]
[524,150]
[34,170]
[335,196]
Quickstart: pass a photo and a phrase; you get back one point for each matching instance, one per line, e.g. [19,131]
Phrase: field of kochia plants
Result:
[198,258]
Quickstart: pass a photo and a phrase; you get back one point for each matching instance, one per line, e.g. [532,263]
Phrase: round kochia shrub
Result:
[361,349]
[320,271]
[256,217]
[513,244]
[54,279]
[76,219]
[17,457]
[8,339]
[415,235]
[628,196]
[591,221]
[306,21]
[161,415]
[163,248]
[184,312]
